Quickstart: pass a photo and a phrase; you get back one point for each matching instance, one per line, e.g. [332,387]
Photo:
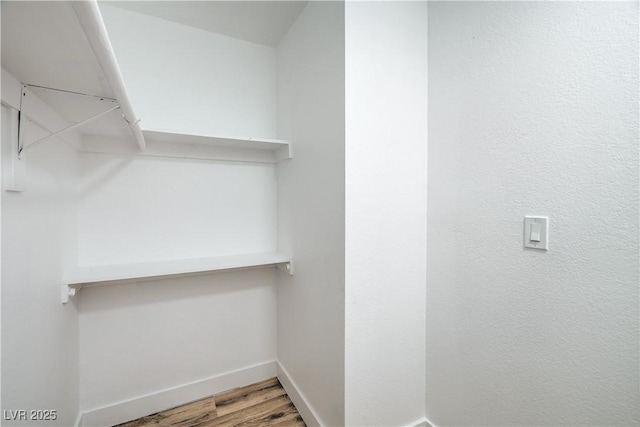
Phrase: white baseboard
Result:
[302,404]
[151,403]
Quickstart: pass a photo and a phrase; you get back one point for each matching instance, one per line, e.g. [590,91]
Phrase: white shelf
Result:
[220,141]
[272,150]
[121,273]
[173,144]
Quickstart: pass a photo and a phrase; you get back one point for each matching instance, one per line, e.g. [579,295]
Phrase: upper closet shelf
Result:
[62,50]
[64,47]
[64,77]
[122,273]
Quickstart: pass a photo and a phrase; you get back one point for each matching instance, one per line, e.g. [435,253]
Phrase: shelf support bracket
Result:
[25,115]
[68,292]
[287,267]
[14,170]
[14,176]
[67,129]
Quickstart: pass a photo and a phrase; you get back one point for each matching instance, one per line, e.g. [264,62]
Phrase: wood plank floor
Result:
[261,404]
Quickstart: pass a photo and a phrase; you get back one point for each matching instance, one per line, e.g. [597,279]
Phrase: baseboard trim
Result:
[151,403]
[309,416]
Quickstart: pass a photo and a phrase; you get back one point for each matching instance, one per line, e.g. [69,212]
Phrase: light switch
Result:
[536,232]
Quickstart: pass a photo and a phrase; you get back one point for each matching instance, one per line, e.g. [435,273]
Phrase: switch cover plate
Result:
[536,232]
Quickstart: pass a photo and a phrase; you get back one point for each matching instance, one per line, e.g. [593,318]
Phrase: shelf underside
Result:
[107,274]
[191,146]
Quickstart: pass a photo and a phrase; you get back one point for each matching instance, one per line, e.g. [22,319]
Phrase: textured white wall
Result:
[189,80]
[311,207]
[533,109]
[39,335]
[386,207]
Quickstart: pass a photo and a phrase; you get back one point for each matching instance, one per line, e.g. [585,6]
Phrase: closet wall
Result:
[182,78]
[311,210]
[144,346]
[533,109]
[143,338]
[386,206]
[39,335]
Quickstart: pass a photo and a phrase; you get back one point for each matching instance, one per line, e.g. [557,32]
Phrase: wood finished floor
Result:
[261,404]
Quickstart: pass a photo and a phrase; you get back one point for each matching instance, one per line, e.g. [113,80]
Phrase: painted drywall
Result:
[533,109]
[311,209]
[143,338]
[189,80]
[140,339]
[150,209]
[386,205]
[39,334]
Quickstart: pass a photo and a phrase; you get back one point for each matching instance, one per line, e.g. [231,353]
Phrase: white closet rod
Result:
[91,21]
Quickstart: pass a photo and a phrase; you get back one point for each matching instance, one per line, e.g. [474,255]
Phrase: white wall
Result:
[311,208]
[39,334]
[148,209]
[140,339]
[143,338]
[185,79]
[533,109]
[386,205]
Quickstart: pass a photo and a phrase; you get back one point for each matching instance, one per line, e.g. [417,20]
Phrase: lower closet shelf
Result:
[119,273]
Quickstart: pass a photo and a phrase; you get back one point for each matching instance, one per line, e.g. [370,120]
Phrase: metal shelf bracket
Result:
[24,112]
[15,177]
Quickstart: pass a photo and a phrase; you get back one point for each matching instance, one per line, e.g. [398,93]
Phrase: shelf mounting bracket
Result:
[14,177]
[64,130]
[287,267]
[23,114]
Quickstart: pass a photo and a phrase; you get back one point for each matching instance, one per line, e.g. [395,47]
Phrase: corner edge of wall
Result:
[303,406]
[78,422]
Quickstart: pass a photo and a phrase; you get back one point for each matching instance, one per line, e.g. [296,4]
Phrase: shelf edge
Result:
[72,285]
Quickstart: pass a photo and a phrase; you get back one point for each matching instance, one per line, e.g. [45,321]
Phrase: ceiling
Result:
[264,22]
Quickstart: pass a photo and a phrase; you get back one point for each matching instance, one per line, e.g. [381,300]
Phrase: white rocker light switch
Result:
[536,232]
